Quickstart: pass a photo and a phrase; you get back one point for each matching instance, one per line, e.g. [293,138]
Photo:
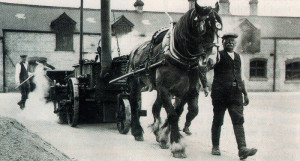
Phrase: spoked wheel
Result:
[123,115]
[73,109]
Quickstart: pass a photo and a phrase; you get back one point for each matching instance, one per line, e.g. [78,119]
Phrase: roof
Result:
[273,27]
[39,18]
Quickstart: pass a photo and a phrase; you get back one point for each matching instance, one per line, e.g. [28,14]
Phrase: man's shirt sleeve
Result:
[17,74]
[242,68]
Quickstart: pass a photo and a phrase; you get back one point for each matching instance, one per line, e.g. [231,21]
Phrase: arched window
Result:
[258,68]
[292,70]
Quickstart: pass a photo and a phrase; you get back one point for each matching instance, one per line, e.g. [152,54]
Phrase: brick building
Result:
[269,45]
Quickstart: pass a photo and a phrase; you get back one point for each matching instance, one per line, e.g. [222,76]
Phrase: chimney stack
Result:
[224,7]
[253,7]
[191,4]
[139,6]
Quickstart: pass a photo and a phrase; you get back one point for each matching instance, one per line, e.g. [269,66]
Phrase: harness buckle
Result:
[234,84]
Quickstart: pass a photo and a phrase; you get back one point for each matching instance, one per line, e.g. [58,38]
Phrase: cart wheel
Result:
[123,115]
[73,109]
[62,115]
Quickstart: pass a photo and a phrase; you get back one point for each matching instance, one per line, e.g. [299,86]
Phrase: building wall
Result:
[286,50]
[42,45]
[1,66]
[260,84]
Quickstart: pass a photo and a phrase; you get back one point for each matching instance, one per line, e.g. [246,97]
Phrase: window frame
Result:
[256,68]
[293,70]
[64,41]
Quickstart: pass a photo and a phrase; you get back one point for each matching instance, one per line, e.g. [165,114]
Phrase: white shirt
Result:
[18,71]
[231,55]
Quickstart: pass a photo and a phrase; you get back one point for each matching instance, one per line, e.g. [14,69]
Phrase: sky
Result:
[238,7]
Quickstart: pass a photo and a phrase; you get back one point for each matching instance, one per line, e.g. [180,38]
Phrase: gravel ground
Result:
[18,143]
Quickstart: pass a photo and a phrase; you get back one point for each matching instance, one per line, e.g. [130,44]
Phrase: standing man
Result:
[20,76]
[229,92]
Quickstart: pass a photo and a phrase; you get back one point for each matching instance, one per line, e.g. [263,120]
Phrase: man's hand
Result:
[18,83]
[206,91]
[246,100]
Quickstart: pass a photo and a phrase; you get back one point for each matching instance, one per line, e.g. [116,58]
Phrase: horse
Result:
[190,43]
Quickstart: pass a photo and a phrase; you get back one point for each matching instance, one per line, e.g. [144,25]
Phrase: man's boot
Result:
[215,137]
[215,150]
[187,130]
[21,104]
[241,141]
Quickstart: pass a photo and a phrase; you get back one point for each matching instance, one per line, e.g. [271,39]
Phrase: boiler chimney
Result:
[139,6]
[224,7]
[191,4]
[253,7]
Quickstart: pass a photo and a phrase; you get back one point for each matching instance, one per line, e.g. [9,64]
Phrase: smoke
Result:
[36,107]
[128,42]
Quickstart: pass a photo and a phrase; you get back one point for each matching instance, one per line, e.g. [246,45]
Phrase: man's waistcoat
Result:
[23,73]
[228,71]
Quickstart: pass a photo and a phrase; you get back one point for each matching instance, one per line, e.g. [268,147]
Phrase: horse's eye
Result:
[218,25]
[196,19]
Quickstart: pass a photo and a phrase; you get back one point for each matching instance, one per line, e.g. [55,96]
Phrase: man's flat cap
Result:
[229,35]
[23,56]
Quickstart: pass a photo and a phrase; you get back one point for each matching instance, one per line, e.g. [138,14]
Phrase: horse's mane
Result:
[186,39]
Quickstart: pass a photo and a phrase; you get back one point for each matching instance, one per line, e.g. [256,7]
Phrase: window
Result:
[258,68]
[121,26]
[292,70]
[63,27]
[64,41]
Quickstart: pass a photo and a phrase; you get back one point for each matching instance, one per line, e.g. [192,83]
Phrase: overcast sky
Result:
[238,7]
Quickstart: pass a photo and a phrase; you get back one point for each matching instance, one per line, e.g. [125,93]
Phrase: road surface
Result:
[272,125]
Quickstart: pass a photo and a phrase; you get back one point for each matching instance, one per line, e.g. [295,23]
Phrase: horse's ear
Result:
[198,8]
[217,7]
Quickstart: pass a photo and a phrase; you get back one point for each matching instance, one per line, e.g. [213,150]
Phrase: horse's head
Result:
[206,18]
[212,24]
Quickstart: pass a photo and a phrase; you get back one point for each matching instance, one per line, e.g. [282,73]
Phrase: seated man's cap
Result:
[229,35]
[23,56]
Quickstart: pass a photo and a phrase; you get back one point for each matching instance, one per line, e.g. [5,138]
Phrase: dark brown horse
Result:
[184,48]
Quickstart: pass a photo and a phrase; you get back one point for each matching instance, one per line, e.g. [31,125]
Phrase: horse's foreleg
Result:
[135,102]
[177,146]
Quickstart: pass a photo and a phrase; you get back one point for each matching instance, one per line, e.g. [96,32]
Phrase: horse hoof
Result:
[179,154]
[164,145]
[139,138]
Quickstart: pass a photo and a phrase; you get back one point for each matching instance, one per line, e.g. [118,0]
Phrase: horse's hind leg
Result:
[135,102]
[156,108]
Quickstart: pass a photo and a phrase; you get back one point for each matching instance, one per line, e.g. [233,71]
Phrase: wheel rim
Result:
[124,116]
[73,108]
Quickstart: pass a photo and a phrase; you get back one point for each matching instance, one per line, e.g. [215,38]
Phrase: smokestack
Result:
[253,7]
[191,4]
[224,7]
[139,6]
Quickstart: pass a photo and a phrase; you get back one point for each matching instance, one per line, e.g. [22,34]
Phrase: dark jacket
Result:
[23,73]
[227,71]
